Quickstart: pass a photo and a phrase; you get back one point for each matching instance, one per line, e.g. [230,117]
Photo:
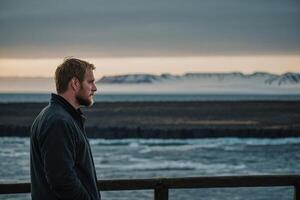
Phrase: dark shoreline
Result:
[211,119]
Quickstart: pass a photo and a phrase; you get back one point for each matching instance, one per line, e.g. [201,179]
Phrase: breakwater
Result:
[170,119]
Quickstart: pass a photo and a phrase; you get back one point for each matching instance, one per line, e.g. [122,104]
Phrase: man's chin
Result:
[85,102]
[91,99]
[91,103]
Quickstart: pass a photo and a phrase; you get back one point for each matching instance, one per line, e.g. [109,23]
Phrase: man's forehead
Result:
[89,74]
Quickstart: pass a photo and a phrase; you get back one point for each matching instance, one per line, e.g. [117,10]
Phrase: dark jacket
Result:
[61,160]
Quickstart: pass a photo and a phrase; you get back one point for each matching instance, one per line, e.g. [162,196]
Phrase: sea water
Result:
[141,158]
[44,97]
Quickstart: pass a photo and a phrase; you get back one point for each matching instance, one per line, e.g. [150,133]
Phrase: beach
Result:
[170,119]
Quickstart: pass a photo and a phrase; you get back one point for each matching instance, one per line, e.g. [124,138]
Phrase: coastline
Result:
[181,120]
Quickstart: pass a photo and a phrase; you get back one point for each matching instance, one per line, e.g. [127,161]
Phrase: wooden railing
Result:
[161,186]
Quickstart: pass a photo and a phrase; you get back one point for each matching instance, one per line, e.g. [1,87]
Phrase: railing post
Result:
[297,192]
[161,192]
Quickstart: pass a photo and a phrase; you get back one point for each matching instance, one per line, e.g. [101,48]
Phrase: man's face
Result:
[86,92]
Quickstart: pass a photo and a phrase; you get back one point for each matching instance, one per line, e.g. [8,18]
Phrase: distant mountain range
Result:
[258,78]
[200,83]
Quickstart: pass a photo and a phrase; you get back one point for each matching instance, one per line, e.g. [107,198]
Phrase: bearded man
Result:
[61,161]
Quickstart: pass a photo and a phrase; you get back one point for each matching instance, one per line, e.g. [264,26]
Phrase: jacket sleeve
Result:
[58,155]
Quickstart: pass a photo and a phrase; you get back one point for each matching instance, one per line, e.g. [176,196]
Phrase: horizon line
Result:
[124,74]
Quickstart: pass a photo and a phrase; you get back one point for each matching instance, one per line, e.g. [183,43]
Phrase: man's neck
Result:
[71,99]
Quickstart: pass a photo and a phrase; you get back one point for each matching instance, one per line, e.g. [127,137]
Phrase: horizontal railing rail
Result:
[162,185]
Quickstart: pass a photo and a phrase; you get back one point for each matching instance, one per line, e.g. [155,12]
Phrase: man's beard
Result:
[84,101]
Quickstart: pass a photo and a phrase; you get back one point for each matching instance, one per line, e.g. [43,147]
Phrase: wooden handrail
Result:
[161,185]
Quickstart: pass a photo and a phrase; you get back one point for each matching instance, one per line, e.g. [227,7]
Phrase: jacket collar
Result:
[76,114]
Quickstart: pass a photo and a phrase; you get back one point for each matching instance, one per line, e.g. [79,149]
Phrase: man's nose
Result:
[94,88]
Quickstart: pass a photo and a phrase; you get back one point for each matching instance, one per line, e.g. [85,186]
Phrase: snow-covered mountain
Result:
[189,83]
[258,78]
[203,83]
[130,78]
[288,78]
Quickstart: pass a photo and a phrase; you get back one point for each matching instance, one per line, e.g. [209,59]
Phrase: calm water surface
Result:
[44,97]
[139,158]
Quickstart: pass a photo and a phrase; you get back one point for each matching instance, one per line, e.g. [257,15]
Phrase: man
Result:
[62,166]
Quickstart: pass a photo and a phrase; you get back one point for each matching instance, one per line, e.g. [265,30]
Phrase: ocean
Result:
[153,158]
[44,97]
[139,158]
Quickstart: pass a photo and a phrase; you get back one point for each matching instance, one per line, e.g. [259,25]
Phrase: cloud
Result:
[148,28]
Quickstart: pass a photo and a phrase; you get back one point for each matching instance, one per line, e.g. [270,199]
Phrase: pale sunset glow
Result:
[157,65]
[152,37]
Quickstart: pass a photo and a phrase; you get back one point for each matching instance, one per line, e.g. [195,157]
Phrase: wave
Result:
[145,146]
[138,142]
[166,165]
[210,142]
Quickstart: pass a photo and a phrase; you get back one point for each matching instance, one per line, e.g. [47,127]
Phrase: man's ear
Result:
[75,84]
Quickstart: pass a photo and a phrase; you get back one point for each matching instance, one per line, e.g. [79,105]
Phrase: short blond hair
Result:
[70,68]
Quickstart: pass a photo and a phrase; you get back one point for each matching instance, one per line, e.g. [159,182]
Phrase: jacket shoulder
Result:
[50,116]
[54,113]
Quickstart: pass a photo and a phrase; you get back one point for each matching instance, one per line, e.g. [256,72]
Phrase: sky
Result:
[142,36]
